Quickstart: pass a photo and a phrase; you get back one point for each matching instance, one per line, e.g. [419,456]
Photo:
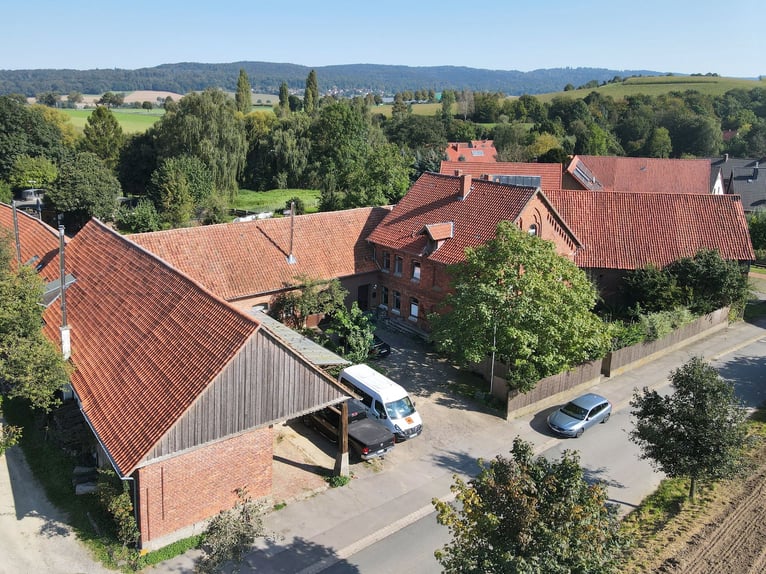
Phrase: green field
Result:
[131,120]
[275,200]
[658,85]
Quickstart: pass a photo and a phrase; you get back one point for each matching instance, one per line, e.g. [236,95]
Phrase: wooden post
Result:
[341,459]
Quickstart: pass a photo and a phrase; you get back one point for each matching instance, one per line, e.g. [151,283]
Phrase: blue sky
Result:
[682,36]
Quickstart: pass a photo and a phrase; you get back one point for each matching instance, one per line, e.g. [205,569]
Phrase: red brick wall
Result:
[185,489]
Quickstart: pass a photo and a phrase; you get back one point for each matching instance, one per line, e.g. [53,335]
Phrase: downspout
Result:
[66,339]
[291,257]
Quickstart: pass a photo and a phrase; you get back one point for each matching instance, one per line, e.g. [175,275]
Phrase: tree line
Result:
[208,145]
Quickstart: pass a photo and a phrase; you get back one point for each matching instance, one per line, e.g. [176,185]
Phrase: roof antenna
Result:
[291,258]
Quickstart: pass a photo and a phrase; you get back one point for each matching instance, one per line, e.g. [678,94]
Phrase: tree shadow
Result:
[297,556]
[457,462]
[598,475]
[748,376]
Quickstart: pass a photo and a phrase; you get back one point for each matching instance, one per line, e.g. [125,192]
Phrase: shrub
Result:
[139,219]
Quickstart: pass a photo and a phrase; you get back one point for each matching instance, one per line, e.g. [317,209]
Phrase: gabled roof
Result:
[434,199]
[549,173]
[146,340]
[621,230]
[39,241]
[244,259]
[640,174]
[476,150]
[745,177]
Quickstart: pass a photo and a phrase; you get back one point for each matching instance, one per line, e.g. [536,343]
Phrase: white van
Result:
[385,400]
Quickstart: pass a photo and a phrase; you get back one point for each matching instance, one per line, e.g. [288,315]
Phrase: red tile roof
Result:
[550,173]
[433,199]
[146,340]
[237,260]
[622,230]
[37,239]
[640,174]
[476,150]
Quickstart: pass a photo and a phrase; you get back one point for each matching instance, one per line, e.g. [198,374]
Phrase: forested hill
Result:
[267,77]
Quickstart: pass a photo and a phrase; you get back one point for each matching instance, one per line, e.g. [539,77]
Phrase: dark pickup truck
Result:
[366,436]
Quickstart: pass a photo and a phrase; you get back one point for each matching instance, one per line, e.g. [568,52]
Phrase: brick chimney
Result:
[465,186]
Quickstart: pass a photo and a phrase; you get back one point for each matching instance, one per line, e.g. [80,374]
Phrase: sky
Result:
[678,36]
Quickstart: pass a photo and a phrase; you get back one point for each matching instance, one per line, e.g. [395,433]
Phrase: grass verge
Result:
[275,200]
[668,517]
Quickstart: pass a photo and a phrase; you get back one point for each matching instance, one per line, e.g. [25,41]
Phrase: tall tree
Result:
[84,188]
[102,135]
[698,431]
[524,514]
[515,295]
[205,125]
[31,368]
[284,97]
[24,130]
[311,93]
[244,95]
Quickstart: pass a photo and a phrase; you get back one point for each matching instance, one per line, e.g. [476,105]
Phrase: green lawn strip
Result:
[130,120]
[275,200]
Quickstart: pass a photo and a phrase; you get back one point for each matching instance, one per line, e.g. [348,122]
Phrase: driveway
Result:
[34,535]
[302,457]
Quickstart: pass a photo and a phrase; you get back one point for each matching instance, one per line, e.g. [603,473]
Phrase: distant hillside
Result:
[654,86]
[267,77]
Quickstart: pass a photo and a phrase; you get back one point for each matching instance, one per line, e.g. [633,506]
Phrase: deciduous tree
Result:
[697,432]
[205,125]
[244,95]
[516,295]
[84,188]
[524,514]
[32,172]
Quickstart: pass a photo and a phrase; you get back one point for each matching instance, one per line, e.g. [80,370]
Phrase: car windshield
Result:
[400,409]
[574,411]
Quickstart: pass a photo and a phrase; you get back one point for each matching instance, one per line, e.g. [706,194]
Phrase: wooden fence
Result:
[588,374]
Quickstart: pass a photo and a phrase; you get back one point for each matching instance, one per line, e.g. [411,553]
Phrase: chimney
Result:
[291,258]
[458,172]
[465,186]
[66,339]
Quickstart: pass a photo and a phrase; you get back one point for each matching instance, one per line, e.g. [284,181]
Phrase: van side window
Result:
[366,399]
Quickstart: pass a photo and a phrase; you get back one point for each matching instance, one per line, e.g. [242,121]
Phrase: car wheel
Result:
[578,434]
[606,418]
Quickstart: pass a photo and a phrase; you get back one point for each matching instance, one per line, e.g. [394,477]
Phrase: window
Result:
[386,261]
[532,229]
[414,308]
[416,270]
[384,297]
[398,265]
[397,306]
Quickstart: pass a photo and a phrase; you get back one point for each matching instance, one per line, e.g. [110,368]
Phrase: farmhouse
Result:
[640,174]
[250,262]
[543,175]
[745,177]
[180,389]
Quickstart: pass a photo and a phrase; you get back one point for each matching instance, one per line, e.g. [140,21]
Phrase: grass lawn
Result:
[275,200]
[131,120]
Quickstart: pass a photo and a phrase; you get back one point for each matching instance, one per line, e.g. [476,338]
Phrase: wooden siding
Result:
[264,383]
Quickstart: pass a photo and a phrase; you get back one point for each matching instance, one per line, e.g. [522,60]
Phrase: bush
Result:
[140,219]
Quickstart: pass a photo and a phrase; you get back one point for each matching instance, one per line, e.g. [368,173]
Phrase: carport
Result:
[320,357]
